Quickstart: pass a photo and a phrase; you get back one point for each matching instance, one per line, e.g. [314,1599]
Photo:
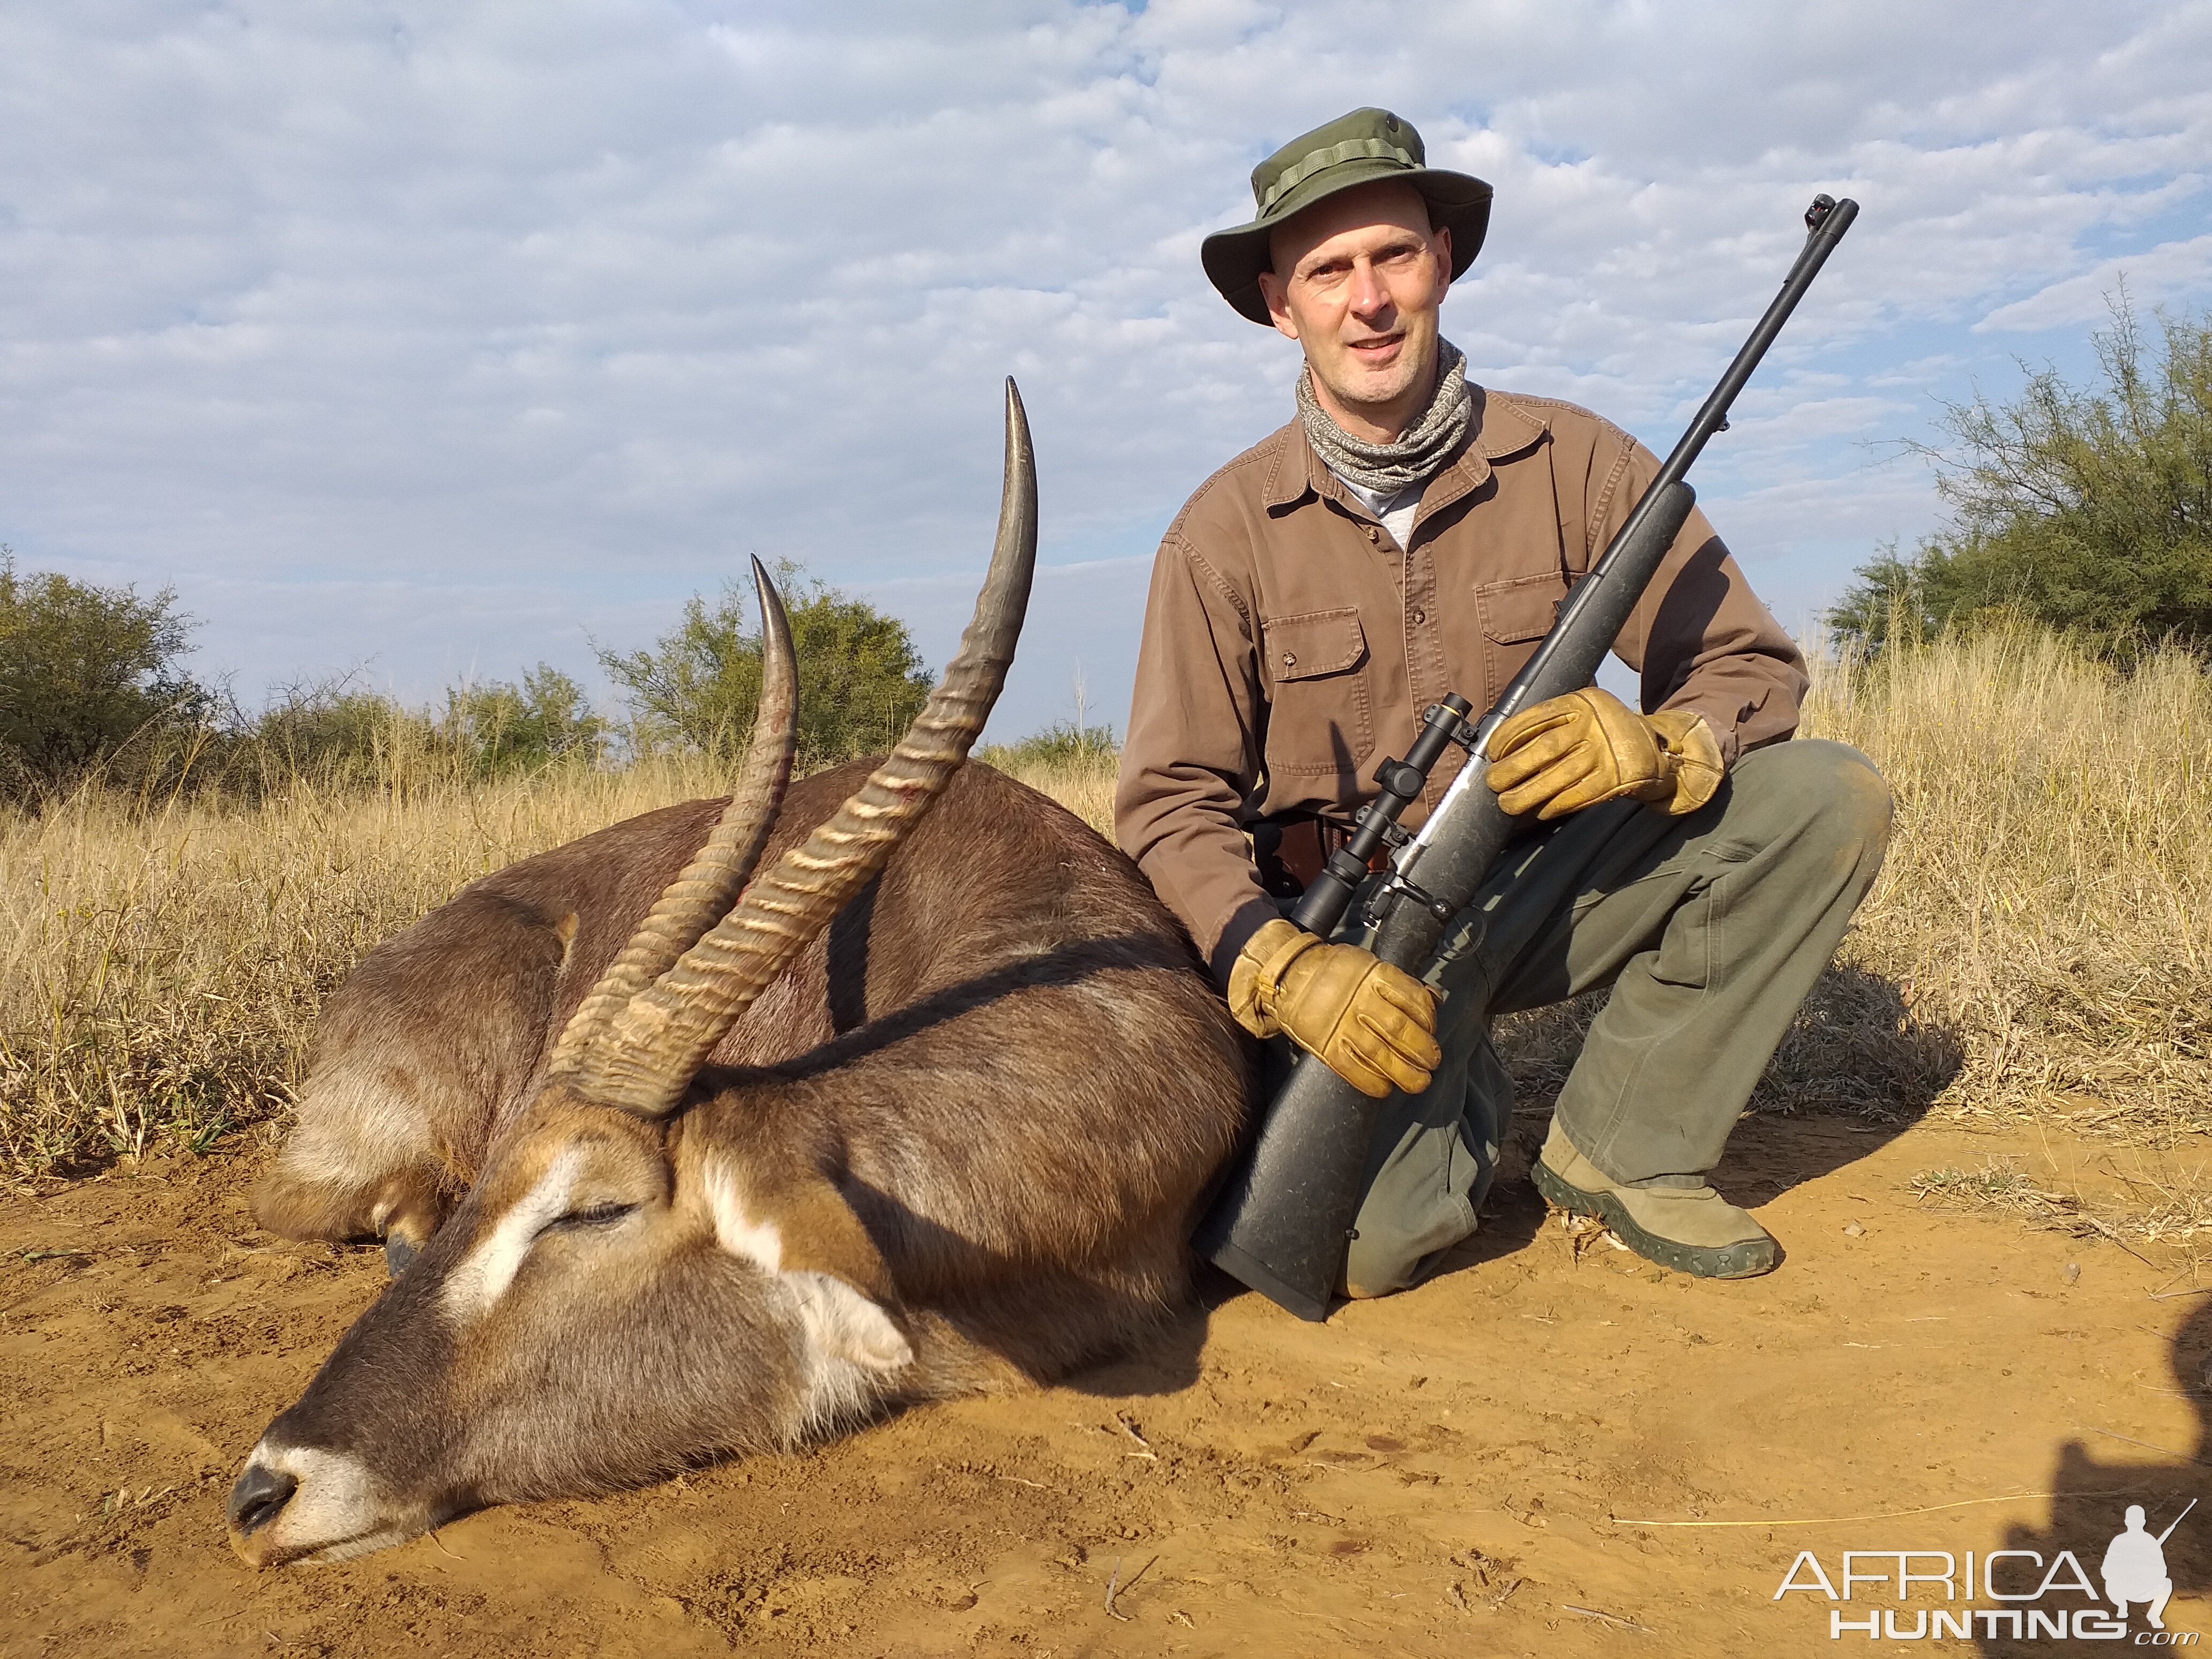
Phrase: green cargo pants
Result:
[1711,928]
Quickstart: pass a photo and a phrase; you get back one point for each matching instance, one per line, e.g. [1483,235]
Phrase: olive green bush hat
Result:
[1354,150]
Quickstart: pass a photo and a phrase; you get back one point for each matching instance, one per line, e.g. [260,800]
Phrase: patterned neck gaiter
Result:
[1415,457]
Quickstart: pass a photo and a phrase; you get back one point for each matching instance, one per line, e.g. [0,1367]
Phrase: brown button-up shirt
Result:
[1290,643]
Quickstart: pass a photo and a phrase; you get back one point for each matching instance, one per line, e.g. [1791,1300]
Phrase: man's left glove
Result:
[1588,746]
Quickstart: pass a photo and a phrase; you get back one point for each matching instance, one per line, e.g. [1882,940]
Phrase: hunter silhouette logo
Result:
[2134,1567]
[2028,1597]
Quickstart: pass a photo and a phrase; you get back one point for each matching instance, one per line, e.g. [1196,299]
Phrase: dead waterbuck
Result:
[925,1111]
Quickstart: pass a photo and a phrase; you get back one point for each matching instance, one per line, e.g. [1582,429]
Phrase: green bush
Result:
[92,685]
[339,737]
[1062,743]
[2088,510]
[860,679]
[326,734]
[86,671]
[497,728]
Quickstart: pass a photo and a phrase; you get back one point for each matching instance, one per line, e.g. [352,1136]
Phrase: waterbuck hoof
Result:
[399,1252]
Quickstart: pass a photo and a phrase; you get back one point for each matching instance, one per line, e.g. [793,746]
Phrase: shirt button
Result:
[1373,534]
[1420,615]
[1290,659]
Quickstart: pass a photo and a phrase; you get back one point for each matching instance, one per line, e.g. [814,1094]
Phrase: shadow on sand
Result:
[2090,1500]
[1857,1069]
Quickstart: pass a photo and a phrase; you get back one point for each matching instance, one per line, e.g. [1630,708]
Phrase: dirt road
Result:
[1475,1467]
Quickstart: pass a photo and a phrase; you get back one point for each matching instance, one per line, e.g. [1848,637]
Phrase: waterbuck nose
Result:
[259,1498]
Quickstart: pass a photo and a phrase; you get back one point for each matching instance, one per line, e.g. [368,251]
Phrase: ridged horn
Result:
[702,895]
[648,1052]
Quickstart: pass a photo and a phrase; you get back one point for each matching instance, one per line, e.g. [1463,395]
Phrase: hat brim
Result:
[1234,258]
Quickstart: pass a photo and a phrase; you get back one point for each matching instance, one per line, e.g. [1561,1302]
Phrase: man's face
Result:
[1357,281]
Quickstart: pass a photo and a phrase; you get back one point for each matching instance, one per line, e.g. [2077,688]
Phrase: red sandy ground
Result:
[1465,1469]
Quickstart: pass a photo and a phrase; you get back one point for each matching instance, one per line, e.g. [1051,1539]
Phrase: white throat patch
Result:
[848,1343]
[474,1287]
[750,1237]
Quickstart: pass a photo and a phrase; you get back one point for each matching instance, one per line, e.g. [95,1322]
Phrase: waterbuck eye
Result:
[597,1215]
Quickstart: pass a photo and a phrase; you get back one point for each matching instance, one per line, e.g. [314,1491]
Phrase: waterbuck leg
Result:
[363,1162]
[421,1051]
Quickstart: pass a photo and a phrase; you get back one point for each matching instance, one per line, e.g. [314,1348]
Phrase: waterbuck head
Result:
[635,1282]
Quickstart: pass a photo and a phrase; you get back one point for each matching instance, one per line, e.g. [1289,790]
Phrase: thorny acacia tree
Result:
[2089,509]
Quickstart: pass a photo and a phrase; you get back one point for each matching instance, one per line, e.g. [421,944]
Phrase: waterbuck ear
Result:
[796,1226]
[843,1324]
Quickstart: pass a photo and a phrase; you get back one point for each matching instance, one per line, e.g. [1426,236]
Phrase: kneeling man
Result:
[1407,535]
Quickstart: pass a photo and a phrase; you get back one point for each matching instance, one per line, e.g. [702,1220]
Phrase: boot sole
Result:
[1745,1259]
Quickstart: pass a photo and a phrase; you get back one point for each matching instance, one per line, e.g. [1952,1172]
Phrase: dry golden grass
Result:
[2040,939]
[160,970]
[2048,895]
[1083,784]
[2038,943]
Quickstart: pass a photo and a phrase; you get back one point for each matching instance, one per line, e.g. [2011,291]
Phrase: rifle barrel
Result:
[1826,221]
[2176,1521]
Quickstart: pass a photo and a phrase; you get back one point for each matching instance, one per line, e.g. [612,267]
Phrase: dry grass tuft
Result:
[2038,943]
[1081,783]
[2161,1205]
[2047,900]
[1995,1186]
[160,969]
[2040,939]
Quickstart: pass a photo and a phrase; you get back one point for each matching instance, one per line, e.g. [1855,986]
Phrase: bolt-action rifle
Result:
[1283,1222]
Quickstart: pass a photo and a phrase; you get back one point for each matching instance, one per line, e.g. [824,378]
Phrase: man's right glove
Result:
[1588,746]
[1373,1024]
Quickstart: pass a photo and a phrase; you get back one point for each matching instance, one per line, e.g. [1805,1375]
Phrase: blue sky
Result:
[433,341]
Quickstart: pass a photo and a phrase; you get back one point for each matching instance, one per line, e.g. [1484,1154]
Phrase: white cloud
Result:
[439,337]
[2171,269]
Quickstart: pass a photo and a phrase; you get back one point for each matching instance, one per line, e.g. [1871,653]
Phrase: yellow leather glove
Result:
[1373,1024]
[1574,752]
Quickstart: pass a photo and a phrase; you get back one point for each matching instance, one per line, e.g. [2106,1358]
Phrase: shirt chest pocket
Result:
[1515,615]
[1320,720]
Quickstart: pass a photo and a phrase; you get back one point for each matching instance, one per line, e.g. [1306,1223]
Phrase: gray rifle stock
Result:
[1284,1219]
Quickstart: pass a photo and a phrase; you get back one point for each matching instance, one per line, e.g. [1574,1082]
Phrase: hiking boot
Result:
[1692,1229]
